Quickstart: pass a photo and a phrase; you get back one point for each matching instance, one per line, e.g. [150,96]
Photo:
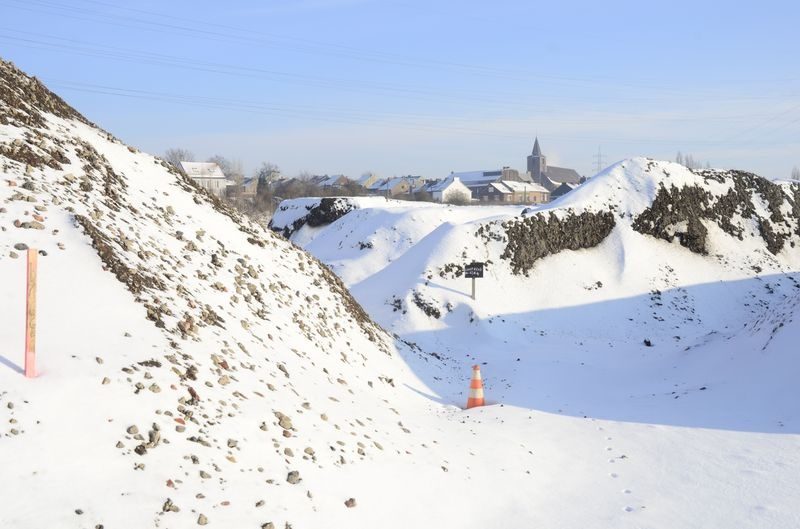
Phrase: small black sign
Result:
[473,270]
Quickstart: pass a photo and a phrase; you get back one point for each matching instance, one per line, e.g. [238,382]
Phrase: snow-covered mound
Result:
[652,295]
[193,367]
[375,231]
[616,236]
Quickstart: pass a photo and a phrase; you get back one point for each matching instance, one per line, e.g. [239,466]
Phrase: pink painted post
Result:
[30,316]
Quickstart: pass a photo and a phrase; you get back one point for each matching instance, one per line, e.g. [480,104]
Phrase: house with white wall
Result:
[209,176]
[449,189]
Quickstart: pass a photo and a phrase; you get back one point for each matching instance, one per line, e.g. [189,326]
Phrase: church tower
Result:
[537,163]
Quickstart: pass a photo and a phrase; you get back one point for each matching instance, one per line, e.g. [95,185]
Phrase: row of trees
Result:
[271,186]
[689,161]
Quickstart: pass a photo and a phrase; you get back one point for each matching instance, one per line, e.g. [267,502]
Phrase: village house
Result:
[249,187]
[450,189]
[512,192]
[209,176]
[335,181]
[478,181]
[396,186]
[562,190]
[367,179]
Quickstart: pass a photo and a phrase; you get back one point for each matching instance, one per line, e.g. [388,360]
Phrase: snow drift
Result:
[651,295]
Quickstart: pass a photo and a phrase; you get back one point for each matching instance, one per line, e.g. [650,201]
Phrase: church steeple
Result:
[537,163]
[536,150]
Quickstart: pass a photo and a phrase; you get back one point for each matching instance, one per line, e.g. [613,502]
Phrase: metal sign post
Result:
[30,316]
[472,271]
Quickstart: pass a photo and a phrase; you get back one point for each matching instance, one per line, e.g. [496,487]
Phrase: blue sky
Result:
[423,87]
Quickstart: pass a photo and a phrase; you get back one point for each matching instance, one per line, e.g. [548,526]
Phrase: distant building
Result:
[249,187]
[451,188]
[209,176]
[367,180]
[546,176]
[479,181]
[396,186]
[334,181]
[562,190]
[512,192]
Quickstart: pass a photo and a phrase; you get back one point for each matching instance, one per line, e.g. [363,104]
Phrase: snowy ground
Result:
[700,430]
[240,360]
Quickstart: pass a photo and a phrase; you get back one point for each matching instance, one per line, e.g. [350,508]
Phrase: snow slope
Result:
[711,402]
[189,362]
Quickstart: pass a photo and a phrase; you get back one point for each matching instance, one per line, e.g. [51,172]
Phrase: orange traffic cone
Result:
[475,388]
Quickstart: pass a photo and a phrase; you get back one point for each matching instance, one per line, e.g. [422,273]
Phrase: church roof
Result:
[537,151]
[562,190]
[562,175]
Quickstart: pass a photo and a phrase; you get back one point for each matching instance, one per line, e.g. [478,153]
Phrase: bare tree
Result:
[457,198]
[305,176]
[231,168]
[795,173]
[268,172]
[689,161]
[175,156]
[423,196]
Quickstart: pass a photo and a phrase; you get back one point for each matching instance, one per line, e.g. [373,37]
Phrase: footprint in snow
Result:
[628,509]
[614,475]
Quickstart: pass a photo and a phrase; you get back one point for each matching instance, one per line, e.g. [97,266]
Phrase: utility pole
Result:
[598,160]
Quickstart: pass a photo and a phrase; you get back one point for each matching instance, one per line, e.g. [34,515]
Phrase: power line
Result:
[598,159]
[251,107]
[165,23]
[62,45]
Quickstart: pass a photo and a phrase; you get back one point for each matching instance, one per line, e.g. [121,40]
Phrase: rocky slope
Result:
[194,368]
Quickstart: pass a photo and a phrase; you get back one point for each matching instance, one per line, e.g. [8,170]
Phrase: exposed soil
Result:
[679,213]
[535,237]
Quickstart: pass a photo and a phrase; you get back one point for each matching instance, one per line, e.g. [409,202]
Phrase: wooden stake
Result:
[473,288]
[30,316]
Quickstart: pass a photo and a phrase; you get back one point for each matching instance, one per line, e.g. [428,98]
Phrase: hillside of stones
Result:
[266,368]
